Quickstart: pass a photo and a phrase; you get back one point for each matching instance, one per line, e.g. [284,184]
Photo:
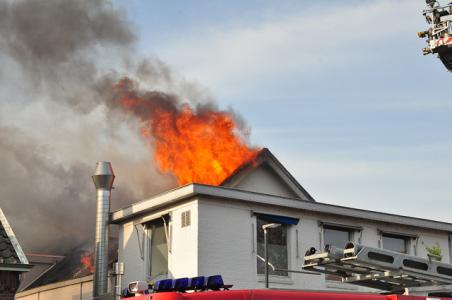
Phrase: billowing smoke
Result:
[60,60]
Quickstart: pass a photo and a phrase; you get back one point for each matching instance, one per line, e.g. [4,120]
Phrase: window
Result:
[185,218]
[395,242]
[336,236]
[277,248]
[157,249]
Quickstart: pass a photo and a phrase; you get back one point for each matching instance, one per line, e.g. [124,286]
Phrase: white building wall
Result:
[131,252]
[264,180]
[182,244]
[221,239]
[63,293]
[183,258]
[74,289]
[227,246]
[227,243]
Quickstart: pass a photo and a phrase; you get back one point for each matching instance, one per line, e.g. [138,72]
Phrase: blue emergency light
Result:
[165,285]
[215,282]
[181,284]
[199,283]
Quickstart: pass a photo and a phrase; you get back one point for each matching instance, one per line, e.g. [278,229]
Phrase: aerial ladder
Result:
[439,35]
[391,275]
[381,269]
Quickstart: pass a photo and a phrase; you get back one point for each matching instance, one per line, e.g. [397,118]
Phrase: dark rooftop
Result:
[11,254]
[8,254]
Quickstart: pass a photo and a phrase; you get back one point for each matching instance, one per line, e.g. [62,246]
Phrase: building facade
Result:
[206,230]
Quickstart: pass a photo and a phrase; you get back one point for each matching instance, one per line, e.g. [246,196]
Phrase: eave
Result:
[15,267]
[189,191]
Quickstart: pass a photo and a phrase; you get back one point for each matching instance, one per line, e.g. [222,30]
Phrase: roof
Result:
[192,190]
[42,263]
[281,176]
[71,266]
[12,257]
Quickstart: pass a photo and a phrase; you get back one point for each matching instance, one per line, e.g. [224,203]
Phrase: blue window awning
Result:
[278,219]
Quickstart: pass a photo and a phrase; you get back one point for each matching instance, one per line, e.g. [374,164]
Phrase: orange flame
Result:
[87,261]
[202,146]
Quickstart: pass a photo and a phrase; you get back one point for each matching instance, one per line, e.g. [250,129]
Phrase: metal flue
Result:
[103,180]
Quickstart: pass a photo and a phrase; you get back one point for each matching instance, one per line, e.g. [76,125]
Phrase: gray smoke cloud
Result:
[60,59]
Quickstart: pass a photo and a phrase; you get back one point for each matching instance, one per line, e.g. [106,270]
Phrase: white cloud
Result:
[303,43]
[395,186]
[358,170]
[332,41]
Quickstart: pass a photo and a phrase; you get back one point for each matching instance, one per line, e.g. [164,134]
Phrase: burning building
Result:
[201,229]
[204,229]
[213,222]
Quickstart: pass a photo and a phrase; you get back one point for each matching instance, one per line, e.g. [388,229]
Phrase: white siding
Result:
[183,245]
[74,289]
[131,253]
[222,235]
[227,240]
[264,180]
[183,259]
[226,243]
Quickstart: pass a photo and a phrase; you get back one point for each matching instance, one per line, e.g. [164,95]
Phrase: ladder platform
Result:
[378,268]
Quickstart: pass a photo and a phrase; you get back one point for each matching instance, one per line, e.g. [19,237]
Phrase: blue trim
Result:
[278,219]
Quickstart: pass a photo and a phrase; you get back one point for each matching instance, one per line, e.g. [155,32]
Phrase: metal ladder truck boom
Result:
[389,271]
[395,276]
[439,34]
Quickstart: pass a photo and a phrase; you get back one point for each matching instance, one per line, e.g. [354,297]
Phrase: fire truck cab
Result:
[277,295]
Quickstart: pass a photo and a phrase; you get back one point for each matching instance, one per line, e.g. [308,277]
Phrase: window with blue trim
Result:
[277,248]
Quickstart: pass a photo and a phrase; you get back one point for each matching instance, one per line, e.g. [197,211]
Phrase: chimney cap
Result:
[103,175]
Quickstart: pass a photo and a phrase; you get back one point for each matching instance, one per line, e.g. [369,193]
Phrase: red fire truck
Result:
[396,276]
[276,295]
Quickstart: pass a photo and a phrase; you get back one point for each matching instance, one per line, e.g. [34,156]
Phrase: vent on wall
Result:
[185,219]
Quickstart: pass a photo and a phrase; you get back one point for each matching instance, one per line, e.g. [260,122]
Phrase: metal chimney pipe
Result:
[103,180]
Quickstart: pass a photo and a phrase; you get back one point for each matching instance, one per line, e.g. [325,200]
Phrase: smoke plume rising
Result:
[59,115]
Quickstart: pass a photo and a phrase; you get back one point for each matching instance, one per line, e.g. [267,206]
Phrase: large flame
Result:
[202,146]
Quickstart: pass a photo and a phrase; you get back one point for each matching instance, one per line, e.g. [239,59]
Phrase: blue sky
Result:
[338,90]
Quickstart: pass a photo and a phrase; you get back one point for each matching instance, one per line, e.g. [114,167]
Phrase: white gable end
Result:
[264,179]
[267,175]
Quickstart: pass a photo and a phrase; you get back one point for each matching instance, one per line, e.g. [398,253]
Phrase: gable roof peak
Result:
[266,158]
[10,250]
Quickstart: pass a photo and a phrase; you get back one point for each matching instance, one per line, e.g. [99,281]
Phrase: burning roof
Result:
[200,144]
[77,263]
[196,144]
[41,263]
